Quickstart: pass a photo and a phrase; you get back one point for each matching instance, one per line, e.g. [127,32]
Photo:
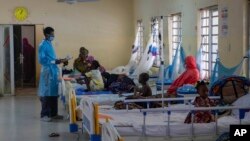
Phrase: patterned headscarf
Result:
[84,51]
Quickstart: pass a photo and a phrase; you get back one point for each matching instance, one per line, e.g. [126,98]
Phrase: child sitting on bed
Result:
[202,101]
[94,81]
[145,90]
[142,92]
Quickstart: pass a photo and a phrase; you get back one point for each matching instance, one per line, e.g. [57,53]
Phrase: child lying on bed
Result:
[119,83]
[202,101]
[121,105]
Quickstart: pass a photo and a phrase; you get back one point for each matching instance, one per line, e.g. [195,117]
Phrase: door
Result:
[248,40]
[6,60]
[24,55]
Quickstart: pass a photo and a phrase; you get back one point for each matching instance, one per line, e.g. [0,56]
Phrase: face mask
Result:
[51,38]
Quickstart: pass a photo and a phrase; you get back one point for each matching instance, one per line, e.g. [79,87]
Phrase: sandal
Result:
[54,135]
[57,117]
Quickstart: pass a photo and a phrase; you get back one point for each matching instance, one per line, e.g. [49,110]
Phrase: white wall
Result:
[104,27]
[231,48]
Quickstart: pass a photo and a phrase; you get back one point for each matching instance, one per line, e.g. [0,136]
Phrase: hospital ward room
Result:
[125,70]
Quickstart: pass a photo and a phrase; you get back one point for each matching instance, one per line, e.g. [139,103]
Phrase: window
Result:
[140,40]
[209,39]
[175,34]
[155,27]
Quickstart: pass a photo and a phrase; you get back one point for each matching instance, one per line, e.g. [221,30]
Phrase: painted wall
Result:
[105,27]
[231,47]
[39,36]
[234,45]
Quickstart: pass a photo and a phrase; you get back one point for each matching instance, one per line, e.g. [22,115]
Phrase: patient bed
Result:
[164,122]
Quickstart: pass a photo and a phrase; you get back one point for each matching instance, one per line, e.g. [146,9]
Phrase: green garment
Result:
[81,65]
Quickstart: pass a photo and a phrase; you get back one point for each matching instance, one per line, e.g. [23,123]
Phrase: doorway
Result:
[19,67]
[6,60]
[24,56]
[248,39]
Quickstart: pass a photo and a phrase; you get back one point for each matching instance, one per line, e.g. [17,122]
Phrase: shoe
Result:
[57,117]
[54,135]
[46,119]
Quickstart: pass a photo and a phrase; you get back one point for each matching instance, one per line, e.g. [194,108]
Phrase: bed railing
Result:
[169,110]
[109,133]
[93,119]
[73,127]
[90,121]
[165,99]
[148,101]
[122,95]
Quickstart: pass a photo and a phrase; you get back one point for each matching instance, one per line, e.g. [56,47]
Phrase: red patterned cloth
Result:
[202,116]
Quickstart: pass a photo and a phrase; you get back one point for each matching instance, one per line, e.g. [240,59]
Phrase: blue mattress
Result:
[187,89]
[153,76]
[186,92]
[166,82]
[84,92]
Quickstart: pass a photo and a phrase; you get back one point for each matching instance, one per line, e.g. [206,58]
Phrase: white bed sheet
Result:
[130,123]
[107,99]
[104,99]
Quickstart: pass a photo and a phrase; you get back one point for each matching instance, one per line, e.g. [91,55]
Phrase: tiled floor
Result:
[20,121]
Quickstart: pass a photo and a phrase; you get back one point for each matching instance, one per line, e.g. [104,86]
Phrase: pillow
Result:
[187,89]
[242,101]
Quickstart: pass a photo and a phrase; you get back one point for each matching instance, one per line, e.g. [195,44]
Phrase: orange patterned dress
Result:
[202,116]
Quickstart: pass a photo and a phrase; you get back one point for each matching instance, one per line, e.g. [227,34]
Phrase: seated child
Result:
[89,60]
[145,90]
[95,81]
[202,101]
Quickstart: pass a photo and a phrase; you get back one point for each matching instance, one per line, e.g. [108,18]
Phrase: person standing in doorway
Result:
[49,77]
[29,62]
